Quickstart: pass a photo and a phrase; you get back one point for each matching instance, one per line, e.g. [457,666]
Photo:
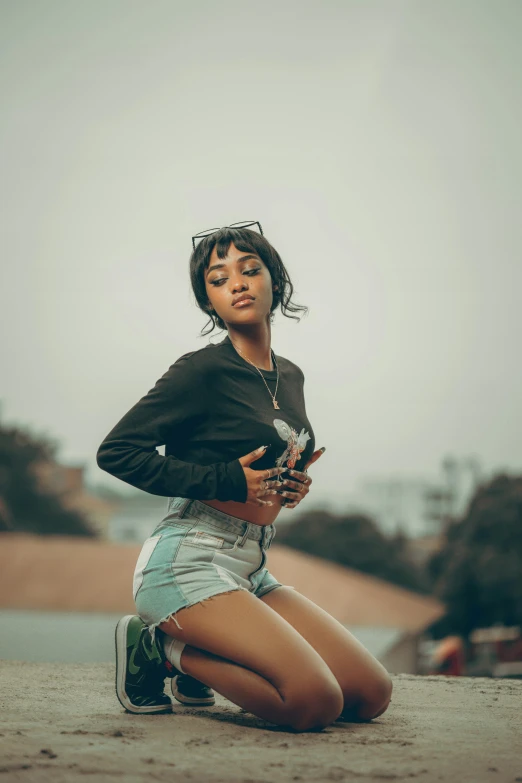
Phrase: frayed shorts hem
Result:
[172,615]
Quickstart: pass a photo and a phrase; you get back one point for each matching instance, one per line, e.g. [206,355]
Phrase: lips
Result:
[243,299]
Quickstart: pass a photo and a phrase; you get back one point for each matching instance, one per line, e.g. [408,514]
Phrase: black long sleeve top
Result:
[210,408]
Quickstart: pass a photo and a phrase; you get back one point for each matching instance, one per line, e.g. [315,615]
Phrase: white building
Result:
[418,506]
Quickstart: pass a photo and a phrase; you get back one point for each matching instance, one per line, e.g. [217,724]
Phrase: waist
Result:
[256,515]
[186,508]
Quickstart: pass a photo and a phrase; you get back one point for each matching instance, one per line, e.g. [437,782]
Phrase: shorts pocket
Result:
[143,560]
[203,536]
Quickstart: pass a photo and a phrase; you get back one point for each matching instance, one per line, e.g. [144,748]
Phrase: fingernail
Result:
[323,448]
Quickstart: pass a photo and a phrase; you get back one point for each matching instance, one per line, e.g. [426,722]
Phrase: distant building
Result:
[67,482]
[69,592]
[136,517]
[417,506]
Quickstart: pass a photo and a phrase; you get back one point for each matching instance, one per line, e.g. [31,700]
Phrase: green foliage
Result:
[355,541]
[478,572]
[24,507]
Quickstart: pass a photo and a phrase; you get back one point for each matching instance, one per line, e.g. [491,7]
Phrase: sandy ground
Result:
[62,722]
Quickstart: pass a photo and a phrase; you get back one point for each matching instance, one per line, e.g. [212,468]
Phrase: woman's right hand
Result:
[258,481]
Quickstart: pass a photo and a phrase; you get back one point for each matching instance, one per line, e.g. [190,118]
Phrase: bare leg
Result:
[365,683]
[248,653]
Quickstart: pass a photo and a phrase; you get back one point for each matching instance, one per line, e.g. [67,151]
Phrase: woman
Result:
[210,613]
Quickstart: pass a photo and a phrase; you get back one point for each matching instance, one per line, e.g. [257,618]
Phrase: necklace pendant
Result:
[276,405]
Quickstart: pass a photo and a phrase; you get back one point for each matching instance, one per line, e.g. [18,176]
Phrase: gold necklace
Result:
[261,374]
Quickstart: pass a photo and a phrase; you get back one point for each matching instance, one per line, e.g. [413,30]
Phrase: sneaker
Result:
[191,692]
[140,669]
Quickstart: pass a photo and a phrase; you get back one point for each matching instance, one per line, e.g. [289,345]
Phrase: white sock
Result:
[173,649]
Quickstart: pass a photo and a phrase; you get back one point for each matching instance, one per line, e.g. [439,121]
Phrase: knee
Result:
[316,707]
[377,699]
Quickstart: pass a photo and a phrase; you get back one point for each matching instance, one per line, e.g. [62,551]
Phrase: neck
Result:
[254,343]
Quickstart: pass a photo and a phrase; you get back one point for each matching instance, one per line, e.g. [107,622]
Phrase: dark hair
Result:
[245,240]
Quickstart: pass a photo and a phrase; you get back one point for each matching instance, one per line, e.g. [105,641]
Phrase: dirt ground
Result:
[62,722]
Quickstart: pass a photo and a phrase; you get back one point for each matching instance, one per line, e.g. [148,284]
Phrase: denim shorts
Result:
[197,552]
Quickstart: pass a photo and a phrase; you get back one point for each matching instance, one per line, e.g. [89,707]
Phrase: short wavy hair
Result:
[247,241]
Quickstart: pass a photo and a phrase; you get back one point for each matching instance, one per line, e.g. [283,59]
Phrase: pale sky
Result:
[377,142]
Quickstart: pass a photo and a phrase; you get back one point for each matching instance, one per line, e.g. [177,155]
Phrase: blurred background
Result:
[377,142]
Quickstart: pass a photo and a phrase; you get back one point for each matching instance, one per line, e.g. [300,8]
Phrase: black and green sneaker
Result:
[191,692]
[141,669]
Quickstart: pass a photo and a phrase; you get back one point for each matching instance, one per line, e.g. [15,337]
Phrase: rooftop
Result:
[62,573]
[65,724]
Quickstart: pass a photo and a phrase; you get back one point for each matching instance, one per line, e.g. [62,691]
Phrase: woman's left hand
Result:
[300,481]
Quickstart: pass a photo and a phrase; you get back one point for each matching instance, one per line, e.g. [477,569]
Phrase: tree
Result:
[355,541]
[478,572]
[24,505]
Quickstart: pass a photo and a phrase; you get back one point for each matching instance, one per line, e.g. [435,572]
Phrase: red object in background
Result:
[449,658]
[509,650]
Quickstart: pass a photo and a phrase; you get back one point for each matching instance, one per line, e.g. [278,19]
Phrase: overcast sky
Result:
[377,142]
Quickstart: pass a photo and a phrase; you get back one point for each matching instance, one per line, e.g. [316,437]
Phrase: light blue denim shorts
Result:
[197,552]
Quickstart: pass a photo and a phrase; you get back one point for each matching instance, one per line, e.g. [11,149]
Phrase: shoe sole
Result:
[121,671]
[190,701]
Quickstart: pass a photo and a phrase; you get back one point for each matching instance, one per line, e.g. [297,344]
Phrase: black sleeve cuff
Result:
[235,487]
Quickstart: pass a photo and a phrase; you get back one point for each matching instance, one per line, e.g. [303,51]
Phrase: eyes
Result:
[217,281]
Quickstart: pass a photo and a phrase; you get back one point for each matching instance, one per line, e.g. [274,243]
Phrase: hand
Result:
[302,484]
[257,480]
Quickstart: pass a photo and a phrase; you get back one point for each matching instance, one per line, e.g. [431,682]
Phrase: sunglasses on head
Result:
[241,224]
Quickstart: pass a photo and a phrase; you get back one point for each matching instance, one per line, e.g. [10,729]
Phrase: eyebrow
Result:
[242,258]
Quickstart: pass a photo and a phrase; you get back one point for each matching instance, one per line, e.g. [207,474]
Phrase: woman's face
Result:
[239,273]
